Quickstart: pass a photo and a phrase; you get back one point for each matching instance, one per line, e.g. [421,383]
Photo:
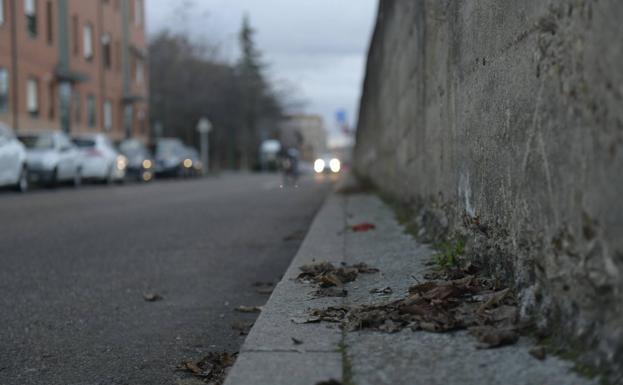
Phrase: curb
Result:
[269,354]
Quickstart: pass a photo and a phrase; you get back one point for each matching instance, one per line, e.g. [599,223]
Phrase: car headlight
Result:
[187,163]
[319,165]
[335,165]
[147,164]
[122,162]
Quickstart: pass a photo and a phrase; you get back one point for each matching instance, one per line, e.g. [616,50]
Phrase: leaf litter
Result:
[474,303]
[331,279]
[212,369]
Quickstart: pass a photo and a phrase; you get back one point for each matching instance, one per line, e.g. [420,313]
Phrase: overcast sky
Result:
[318,47]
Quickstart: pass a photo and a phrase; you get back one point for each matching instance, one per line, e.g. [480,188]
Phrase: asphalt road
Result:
[75,264]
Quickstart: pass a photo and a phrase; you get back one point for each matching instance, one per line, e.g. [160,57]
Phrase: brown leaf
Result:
[329,382]
[305,320]
[264,290]
[242,326]
[385,291]
[538,352]
[330,292]
[365,269]
[191,367]
[248,309]
[330,279]
[494,300]
[152,297]
[491,337]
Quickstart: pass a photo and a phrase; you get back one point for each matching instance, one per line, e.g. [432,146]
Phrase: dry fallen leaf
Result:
[326,274]
[329,382]
[212,368]
[152,297]
[385,291]
[538,352]
[305,320]
[248,309]
[493,300]
[363,227]
[330,292]
[491,337]
[242,326]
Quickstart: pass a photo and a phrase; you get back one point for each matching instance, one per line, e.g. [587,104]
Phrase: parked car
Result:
[170,154]
[140,162]
[100,160]
[13,167]
[192,163]
[51,157]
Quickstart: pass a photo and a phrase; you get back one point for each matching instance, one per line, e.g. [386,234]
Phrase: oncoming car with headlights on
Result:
[140,162]
[327,164]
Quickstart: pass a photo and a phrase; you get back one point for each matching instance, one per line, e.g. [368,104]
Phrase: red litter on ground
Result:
[361,227]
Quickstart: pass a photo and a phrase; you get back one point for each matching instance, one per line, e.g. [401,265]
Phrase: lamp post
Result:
[204,127]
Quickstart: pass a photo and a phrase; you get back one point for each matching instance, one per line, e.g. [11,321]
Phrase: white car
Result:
[13,168]
[100,159]
[51,157]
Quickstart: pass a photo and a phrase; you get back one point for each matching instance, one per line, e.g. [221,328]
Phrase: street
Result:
[76,265]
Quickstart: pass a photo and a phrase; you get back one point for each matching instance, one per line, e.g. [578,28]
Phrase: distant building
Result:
[306,133]
[74,65]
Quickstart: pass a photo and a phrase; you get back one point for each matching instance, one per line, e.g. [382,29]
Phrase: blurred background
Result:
[184,87]
[159,162]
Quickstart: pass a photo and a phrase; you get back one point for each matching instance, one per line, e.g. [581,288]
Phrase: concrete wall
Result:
[504,119]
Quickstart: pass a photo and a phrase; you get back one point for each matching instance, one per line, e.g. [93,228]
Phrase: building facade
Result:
[74,65]
[306,133]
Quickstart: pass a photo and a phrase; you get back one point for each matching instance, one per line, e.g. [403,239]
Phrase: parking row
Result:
[49,158]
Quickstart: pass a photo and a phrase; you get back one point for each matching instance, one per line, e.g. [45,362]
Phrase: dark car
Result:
[192,163]
[140,162]
[169,156]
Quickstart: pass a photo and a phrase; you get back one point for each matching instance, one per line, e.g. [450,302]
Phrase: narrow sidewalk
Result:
[282,350]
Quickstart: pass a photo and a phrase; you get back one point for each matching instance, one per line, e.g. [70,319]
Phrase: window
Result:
[138,12]
[51,101]
[49,22]
[139,72]
[75,34]
[87,41]
[107,115]
[91,110]
[1,12]
[118,56]
[4,90]
[32,97]
[30,10]
[77,107]
[106,51]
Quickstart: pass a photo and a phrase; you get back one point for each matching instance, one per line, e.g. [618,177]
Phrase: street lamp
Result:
[204,127]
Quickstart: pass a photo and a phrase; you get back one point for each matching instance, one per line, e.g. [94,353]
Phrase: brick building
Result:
[75,65]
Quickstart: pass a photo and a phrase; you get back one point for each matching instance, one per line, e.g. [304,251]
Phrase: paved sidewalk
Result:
[270,355]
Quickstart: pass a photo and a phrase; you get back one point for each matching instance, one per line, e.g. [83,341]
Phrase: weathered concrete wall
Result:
[507,117]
